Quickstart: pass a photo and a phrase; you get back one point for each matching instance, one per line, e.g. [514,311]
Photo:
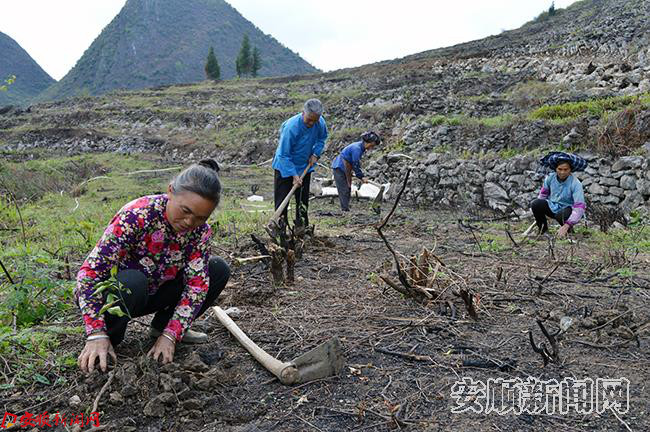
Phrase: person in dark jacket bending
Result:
[350,160]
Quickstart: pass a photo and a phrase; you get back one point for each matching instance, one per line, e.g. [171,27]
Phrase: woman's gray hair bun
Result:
[201,178]
[210,163]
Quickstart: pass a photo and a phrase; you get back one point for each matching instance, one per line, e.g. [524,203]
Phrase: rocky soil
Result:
[403,359]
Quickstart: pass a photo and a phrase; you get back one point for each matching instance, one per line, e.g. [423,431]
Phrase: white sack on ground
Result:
[365,191]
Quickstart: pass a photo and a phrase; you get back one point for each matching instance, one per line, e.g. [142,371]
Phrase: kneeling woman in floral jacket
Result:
[158,248]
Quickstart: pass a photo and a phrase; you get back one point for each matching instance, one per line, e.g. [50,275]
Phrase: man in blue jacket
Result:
[302,140]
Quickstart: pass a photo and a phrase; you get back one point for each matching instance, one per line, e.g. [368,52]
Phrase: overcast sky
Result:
[332,34]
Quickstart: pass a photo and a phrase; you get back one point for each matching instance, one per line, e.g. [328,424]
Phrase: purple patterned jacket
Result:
[140,237]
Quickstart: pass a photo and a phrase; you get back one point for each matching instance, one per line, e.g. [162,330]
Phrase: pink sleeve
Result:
[543,193]
[577,213]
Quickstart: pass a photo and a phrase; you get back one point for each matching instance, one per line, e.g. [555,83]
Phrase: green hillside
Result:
[31,79]
[159,42]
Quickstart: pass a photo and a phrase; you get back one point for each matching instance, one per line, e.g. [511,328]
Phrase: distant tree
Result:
[551,10]
[212,69]
[244,60]
[256,62]
[9,81]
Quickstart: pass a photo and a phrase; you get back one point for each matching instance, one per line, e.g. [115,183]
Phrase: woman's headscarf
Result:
[371,137]
[553,159]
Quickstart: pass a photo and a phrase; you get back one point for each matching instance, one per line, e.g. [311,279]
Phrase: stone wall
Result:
[512,183]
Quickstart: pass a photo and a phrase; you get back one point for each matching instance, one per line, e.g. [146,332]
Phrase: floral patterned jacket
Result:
[140,237]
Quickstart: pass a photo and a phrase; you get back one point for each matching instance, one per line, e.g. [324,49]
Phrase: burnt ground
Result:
[402,357]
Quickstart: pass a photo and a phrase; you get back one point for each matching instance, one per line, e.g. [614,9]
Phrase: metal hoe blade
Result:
[320,362]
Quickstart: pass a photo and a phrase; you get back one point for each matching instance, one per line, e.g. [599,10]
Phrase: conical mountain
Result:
[31,79]
[159,42]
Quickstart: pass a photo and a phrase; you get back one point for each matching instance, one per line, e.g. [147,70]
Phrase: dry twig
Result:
[541,349]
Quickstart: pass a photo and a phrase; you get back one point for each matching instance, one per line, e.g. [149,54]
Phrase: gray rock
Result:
[488,69]
[589,157]
[154,408]
[192,404]
[605,170]
[116,398]
[432,158]
[432,170]
[643,186]
[608,181]
[632,200]
[628,182]
[167,398]
[494,195]
[616,191]
[195,364]
[627,162]
[475,178]
[74,401]
[491,176]
[596,189]
[518,179]
[571,138]
[609,199]
[448,180]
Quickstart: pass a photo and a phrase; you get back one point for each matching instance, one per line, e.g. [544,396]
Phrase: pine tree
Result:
[244,60]
[212,69]
[256,62]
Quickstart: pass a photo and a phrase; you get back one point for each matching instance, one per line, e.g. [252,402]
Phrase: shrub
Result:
[532,93]
[380,112]
[622,132]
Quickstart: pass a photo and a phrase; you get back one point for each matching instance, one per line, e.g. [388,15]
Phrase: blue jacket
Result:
[297,143]
[351,153]
[560,195]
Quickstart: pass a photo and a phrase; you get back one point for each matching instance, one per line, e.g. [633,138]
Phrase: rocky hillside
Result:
[158,42]
[475,107]
[31,79]
[616,28]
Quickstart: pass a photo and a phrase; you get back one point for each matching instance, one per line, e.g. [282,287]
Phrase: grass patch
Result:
[33,179]
[347,135]
[596,107]
[36,311]
[499,121]
[236,219]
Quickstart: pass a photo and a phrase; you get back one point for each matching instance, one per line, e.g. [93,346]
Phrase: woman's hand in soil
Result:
[96,349]
[563,230]
[163,349]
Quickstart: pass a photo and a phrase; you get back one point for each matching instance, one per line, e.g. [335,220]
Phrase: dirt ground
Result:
[402,358]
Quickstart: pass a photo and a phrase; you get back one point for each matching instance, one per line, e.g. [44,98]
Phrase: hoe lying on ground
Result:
[323,361]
